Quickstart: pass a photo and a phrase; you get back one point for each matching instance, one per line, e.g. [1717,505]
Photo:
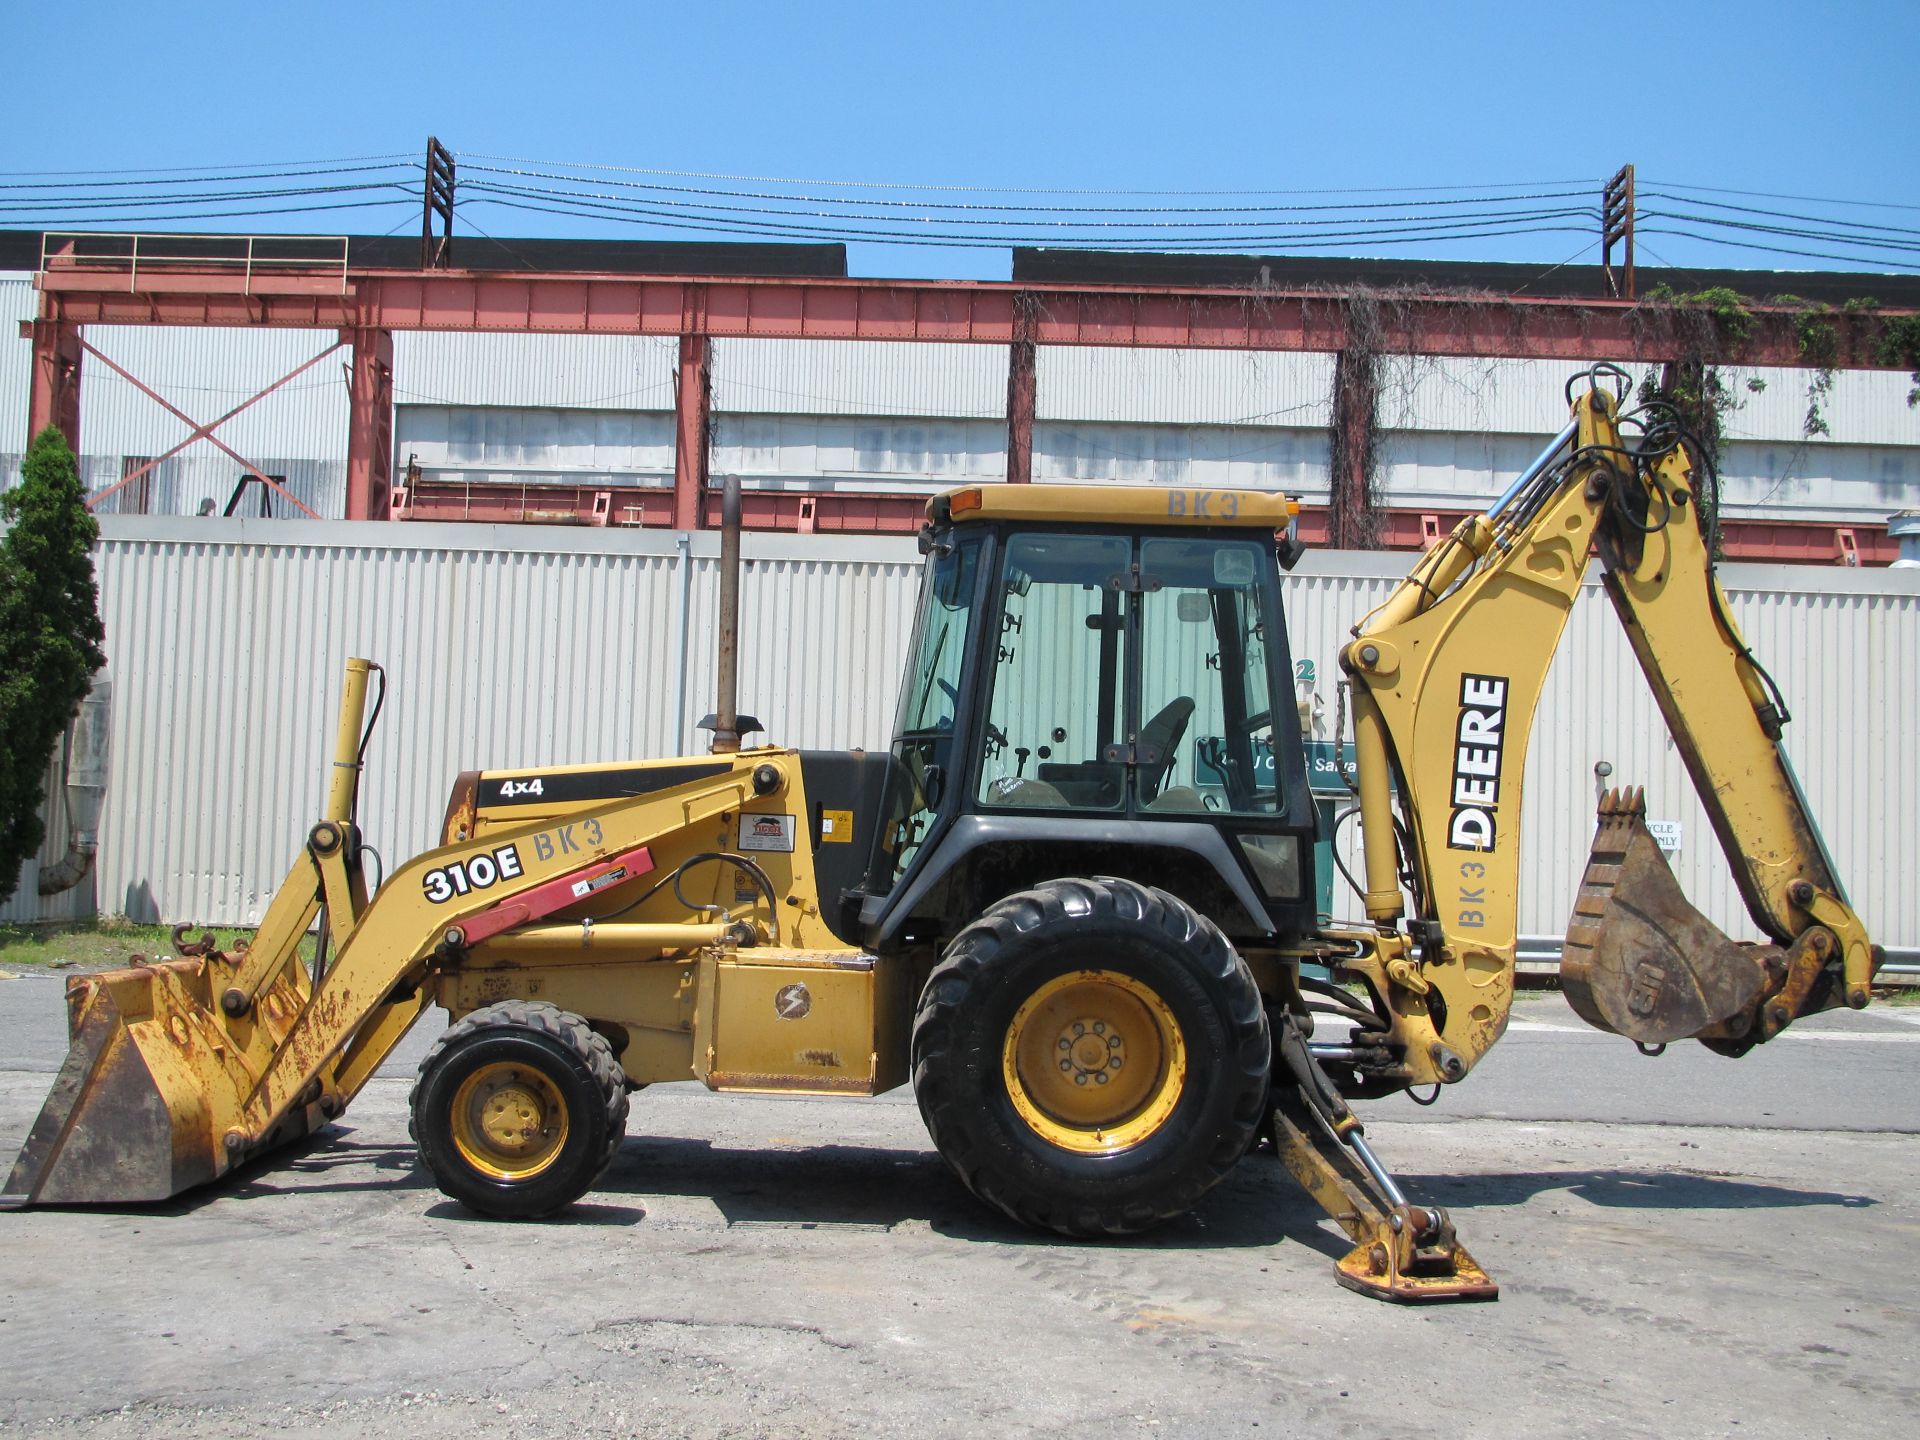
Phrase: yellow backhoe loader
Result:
[1074,902]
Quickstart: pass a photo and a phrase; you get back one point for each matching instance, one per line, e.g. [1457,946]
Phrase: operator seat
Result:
[1163,733]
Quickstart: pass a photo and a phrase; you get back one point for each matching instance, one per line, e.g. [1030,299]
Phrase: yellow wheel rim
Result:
[509,1121]
[1094,1062]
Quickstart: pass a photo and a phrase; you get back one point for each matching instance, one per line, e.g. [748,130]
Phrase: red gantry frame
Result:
[321,291]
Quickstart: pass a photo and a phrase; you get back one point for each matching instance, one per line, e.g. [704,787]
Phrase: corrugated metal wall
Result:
[865,377]
[503,646]
[591,371]
[517,645]
[1844,646]
[16,372]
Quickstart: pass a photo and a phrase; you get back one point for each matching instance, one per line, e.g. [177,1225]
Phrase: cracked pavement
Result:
[775,1267]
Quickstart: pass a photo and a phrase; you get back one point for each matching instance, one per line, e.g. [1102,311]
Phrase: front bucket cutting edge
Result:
[1639,960]
[152,1081]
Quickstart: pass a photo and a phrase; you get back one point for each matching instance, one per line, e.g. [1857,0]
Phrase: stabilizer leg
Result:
[1402,1252]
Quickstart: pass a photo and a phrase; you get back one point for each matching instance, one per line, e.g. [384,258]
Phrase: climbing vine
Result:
[1706,331]
[1713,325]
[1898,344]
[1353,427]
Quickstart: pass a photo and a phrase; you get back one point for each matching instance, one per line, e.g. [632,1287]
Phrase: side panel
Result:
[846,810]
[801,1023]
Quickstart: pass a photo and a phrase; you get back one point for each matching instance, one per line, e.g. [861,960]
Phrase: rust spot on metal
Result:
[463,808]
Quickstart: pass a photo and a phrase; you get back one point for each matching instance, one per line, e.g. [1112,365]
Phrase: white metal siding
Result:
[859,377]
[205,373]
[16,373]
[1847,656]
[1527,397]
[1183,387]
[1236,456]
[874,452]
[514,646]
[227,638]
[594,371]
[488,445]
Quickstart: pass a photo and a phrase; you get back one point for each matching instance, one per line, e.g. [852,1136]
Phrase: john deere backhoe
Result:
[1074,902]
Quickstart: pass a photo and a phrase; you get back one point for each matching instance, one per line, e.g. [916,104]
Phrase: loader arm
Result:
[1446,676]
[182,1069]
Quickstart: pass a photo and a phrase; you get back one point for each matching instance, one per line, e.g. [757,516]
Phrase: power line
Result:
[1905,230]
[1004,189]
[151,202]
[1024,209]
[773,230]
[181,180]
[761,217]
[1797,199]
[5,222]
[954,215]
[1787,231]
[1772,249]
[184,170]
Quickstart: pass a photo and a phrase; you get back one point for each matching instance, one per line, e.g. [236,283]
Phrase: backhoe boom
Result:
[1446,676]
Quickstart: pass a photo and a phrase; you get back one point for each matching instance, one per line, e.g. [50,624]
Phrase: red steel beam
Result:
[54,397]
[968,312]
[370,425]
[840,512]
[692,429]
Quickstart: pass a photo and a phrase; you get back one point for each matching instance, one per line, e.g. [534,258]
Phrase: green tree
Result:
[50,636]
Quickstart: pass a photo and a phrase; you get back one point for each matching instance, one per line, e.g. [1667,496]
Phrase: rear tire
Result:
[1091,1056]
[518,1110]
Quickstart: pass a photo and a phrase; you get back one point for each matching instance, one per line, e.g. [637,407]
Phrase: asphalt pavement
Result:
[1687,1246]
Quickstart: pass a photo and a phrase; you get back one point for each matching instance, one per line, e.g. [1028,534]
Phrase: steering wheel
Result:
[996,737]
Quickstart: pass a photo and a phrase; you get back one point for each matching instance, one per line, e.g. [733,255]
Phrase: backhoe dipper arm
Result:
[1446,675]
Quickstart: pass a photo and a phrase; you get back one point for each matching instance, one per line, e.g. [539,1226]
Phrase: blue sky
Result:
[1796,100]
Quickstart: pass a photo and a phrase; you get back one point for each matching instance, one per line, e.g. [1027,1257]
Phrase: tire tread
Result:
[955,985]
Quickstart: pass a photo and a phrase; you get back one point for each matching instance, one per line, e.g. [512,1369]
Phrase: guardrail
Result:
[248,257]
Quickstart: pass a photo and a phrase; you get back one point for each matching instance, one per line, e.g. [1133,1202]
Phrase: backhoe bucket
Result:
[1639,960]
[154,1078]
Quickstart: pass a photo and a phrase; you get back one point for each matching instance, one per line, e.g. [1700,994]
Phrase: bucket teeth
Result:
[1639,960]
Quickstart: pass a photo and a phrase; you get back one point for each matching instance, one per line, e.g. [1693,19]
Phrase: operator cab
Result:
[1099,684]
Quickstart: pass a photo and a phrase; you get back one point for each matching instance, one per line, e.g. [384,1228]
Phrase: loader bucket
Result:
[154,1078]
[1639,960]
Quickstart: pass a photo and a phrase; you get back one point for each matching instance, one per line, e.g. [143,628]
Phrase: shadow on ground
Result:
[1623,1189]
[840,1186]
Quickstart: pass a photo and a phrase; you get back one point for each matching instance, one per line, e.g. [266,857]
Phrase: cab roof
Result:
[1143,506]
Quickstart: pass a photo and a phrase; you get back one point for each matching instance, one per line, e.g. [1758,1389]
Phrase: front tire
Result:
[518,1110]
[1091,1056]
